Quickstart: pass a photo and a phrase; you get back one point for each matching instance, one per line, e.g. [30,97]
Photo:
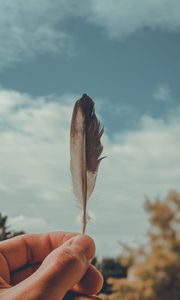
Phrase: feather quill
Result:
[85,151]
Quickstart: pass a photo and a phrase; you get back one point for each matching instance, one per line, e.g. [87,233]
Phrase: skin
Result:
[48,266]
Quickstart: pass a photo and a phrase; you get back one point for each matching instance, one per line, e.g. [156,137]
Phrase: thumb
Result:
[64,267]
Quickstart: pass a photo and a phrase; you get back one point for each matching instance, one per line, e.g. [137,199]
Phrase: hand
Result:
[47,266]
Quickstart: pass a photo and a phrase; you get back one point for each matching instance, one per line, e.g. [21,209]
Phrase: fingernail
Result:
[83,244]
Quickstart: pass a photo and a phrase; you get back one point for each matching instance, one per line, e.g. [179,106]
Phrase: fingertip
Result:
[89,245]
[82,243]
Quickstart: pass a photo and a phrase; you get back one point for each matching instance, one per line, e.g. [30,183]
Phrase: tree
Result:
[5,230]
[155,274]
[111,268]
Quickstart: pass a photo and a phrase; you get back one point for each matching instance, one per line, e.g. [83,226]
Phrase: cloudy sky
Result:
[125,54]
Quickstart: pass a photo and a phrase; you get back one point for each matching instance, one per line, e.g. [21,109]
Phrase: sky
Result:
[125,55]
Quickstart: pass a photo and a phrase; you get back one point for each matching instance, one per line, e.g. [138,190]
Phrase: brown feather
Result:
[85,150]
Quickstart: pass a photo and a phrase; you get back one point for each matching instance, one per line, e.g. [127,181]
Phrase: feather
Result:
[85,151]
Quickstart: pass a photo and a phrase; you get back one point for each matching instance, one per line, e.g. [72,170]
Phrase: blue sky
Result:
[125,55]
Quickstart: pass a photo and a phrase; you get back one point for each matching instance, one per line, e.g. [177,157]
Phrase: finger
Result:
[91,283]
[3,284]
[29,248]
[23,273]
[61,270]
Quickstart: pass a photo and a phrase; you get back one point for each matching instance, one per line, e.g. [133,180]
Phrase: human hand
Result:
[47,266]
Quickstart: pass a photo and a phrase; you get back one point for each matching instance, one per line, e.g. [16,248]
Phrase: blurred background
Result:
[123,54]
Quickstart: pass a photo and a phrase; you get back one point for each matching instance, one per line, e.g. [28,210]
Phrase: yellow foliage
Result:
[155,272]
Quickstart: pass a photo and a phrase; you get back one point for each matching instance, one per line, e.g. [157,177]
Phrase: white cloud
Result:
[163,93]
[126,16]
[35,185]
[29,224]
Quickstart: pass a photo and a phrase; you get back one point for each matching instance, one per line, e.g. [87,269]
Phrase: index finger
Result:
[30,248]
